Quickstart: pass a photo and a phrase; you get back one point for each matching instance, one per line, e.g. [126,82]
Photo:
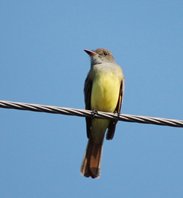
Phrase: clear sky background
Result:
[42,61]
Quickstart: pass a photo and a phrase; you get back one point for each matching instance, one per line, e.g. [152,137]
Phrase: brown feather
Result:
[87,96]
[91,162]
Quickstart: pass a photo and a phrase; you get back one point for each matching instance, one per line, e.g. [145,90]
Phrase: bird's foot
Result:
[94,113]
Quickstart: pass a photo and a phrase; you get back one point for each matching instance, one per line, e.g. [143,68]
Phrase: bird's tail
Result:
[91,162]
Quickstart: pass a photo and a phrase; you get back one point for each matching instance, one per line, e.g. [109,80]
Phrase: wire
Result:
[89,113]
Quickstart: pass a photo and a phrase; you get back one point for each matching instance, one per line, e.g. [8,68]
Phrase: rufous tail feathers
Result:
[91,162]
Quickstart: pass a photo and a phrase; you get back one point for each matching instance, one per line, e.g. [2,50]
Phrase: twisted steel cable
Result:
[88,113]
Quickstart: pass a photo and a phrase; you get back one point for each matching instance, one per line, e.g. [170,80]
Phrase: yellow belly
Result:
[105,92]
[104,97]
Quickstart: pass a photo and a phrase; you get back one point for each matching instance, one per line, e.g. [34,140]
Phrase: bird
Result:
[103,91]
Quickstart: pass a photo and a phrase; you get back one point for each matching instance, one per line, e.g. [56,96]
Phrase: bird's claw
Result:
[94,113]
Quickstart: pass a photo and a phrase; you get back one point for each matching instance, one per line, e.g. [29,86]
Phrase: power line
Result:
[88,113]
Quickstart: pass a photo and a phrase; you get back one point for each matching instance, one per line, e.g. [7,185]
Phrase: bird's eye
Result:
[105,53]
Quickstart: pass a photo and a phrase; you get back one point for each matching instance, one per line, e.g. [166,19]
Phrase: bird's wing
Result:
[87,95]
[112,125]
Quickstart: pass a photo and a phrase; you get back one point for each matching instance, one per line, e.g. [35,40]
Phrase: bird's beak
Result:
[90,52]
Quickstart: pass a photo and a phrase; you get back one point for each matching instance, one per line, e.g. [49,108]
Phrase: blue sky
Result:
[42,61]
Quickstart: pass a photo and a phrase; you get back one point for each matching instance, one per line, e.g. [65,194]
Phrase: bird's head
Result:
[99,56]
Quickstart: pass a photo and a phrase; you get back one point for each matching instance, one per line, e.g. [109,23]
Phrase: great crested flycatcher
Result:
[103,91]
